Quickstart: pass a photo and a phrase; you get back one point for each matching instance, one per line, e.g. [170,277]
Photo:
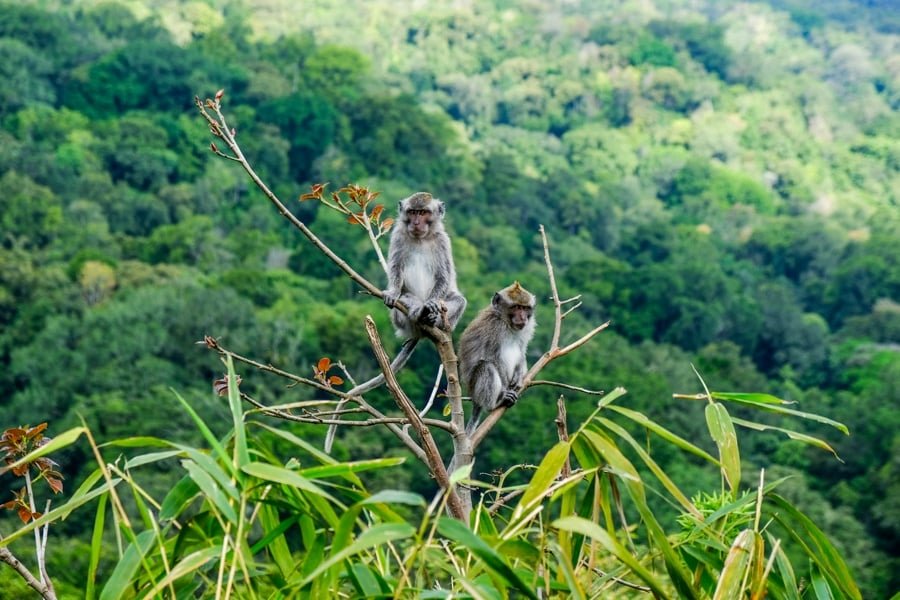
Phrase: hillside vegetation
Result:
[720,180]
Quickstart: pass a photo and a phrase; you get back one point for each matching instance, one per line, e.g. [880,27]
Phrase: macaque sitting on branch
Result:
[421,276]
[492,351]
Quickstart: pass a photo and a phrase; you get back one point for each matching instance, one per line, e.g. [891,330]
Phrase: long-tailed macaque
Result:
[492,351]
[421,276]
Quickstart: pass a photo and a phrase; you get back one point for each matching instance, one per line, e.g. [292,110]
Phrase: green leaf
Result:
[718,421]
[122,575]
[816,545]
[543,478]
[395,497]
[205,431]
[151,457]
[749,400]
[655,468]
[185,566]
[375,535]
[754,398]
[241,453]
[794,435]
[592,530]
[785,571]
[820,584]
[286,477]
[210,489]
[459,533]
[737,565]
[96,545]
[664,433]
[342,469]
[178,498]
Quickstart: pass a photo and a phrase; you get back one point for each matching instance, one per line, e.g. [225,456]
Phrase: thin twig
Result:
[575,388]
[17,565]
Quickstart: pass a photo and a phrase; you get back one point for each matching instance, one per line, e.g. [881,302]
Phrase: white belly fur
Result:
[418,277]
[510,356]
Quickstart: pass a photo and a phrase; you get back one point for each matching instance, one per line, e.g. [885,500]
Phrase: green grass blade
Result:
[459,533]
[597,533]
[794,435]
[121,578]
[210,489]
[96,545]
[241,453]
[543,478]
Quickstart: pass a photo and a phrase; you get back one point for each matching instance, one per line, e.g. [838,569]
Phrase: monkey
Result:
[421,276]
[492,351]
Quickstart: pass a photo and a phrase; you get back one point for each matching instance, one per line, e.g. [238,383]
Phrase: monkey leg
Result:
[508,398]
[456,304]
[487,388]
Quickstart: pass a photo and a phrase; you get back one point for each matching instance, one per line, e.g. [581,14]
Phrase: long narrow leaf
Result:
[286,477]
[122,575]
[185,566]
[371,537]
[241,453]
[459,533]
[750,400]
[58,442]
[794,435]
[641,419]
[597,533]
[210,489]
[722,431]
[205,431]
[545,475]
[96,545]
[737,566]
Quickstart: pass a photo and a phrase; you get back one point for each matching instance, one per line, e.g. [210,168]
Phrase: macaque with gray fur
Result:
[492,351]
[421,275]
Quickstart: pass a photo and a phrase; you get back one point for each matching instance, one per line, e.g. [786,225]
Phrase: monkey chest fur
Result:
[511,354]
[419,274]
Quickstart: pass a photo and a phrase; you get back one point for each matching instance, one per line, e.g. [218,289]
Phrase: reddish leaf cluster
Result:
[17,442]
[354,201]
[220,386]
[320,370]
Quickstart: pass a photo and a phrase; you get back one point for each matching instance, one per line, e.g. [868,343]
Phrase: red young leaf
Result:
[55,484]
[324,364]
[386,224]
[335,380]
[356,219]
[219,94]
[213,147]
[376,212]
[37,429]
[10,504]
[20,470]
[24,514]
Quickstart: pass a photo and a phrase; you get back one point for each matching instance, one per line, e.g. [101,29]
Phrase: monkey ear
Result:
[440,207]
[400,207]
[496,299]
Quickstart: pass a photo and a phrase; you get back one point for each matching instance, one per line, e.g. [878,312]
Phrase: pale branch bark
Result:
[562,430]
[394,425]
[433,455]
[46,591]
[552,354]
[566,386]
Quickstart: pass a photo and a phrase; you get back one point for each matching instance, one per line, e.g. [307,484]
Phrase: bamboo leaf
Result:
[125,569]
[597,533]
[737,566]
[286,477]
[58,442]
[241,453]
[395,497]
[341,469]
[96,545]
[794,435]
[210,489]
[749,400]
[718,421]
[459,533]
[664,433]
[376,535]
[185,566]
[178,498]
[546,473]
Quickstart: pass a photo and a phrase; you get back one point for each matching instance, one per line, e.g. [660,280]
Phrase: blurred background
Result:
[719,179]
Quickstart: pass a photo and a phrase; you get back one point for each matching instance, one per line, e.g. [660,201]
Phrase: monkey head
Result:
[421,214]
[515,305]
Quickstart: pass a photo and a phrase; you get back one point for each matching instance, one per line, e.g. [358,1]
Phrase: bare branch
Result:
[433,455]
[9,558]
[574,388]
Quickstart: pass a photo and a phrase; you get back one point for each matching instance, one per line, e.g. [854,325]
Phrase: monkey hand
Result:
[430,313]
[390,298]
[509,398]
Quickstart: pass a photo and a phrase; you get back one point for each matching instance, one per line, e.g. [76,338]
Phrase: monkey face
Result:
[519,315]
[418,222]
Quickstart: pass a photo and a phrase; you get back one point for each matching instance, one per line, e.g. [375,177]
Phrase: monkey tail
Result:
[472,425]
[398,363]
